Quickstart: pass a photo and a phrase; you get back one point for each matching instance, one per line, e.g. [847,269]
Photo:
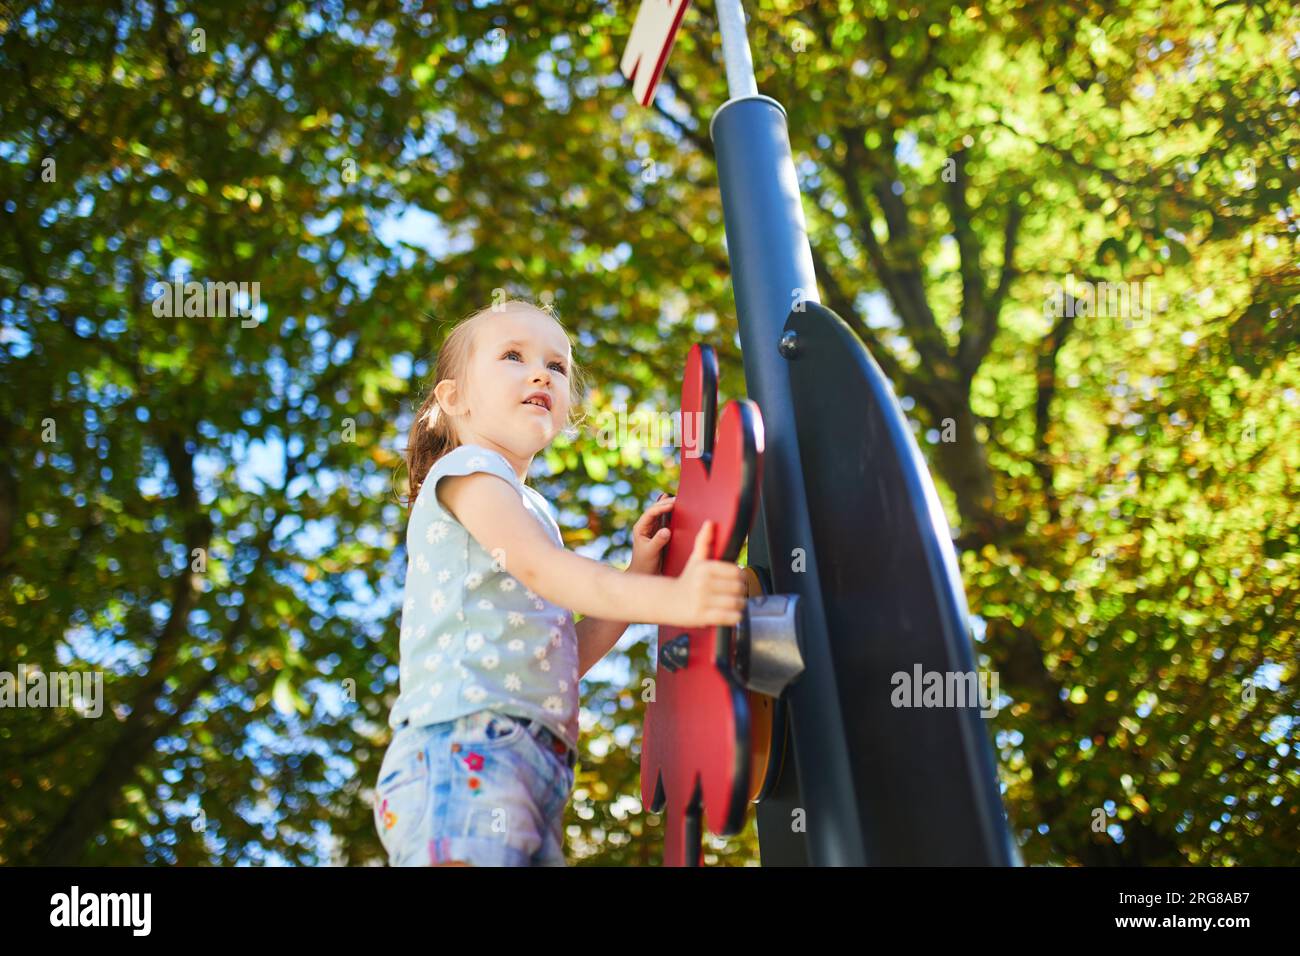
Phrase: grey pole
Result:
[772,270]
[735,50]
[834,751]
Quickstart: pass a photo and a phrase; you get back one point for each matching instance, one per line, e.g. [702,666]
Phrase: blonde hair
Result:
[433,434]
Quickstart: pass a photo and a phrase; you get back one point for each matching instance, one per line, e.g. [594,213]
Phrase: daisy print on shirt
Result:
[472,636]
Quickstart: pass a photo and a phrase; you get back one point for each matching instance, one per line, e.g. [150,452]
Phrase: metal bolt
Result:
[790,345]
[675,654]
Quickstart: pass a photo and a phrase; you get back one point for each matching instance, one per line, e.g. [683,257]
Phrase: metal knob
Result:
[765,655]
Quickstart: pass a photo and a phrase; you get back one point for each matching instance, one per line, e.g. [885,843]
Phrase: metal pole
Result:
[772,268]
[735,49]
[773,280]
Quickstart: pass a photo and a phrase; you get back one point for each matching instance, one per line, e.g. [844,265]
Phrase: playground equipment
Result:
[853,573]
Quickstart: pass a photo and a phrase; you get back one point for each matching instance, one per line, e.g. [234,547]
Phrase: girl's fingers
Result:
[652,513]
[662,504]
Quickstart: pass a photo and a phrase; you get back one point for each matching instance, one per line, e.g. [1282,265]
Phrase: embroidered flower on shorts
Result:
[475,693]
[545,664]
[485,605]
[421,631]
[539,605]
[515,618]
[564,686]
[422,564]
[436,531]
[531,595]
[437,601]
[444,640]
[473,580]
[554,705]
[432,662]
[435,690]
[490,660]
[474,760]
[512,682]
[408,606]
[516,645]
[539,652]
[508,584]
[556,633]
[474,641]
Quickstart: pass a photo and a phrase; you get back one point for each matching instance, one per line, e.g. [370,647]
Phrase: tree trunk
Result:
[961,460]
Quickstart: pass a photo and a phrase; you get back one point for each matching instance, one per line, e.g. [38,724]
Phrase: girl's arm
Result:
[650,534]
[491,511]
[596,637]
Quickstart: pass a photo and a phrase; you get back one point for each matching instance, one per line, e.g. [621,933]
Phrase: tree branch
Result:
[977,324]
[1049,349]
[842,304]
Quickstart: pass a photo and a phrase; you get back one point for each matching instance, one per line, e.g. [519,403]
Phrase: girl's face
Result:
[516,397]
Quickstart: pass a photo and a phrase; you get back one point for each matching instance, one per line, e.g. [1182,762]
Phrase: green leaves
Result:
[1126,486]
[286,696]
[1111,250]
[595,465]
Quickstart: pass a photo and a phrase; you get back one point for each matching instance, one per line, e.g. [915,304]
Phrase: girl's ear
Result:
[445,394]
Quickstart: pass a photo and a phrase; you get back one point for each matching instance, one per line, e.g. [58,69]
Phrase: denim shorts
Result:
[482,789]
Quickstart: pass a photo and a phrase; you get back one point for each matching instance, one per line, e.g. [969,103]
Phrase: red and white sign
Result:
[649,45]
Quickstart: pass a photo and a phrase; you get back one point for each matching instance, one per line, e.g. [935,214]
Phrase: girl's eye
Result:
[554,365]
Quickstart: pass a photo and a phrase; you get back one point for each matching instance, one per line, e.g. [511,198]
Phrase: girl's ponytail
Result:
[432,436]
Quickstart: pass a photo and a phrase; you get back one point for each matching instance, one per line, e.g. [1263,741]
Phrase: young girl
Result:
[486,720]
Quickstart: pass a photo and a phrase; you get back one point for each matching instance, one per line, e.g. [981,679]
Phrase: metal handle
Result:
[765,656]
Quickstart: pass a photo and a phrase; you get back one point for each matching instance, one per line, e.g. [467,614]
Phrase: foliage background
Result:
[1123,489]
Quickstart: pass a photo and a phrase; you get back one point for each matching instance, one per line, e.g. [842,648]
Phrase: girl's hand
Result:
[648,539]
[708,592]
